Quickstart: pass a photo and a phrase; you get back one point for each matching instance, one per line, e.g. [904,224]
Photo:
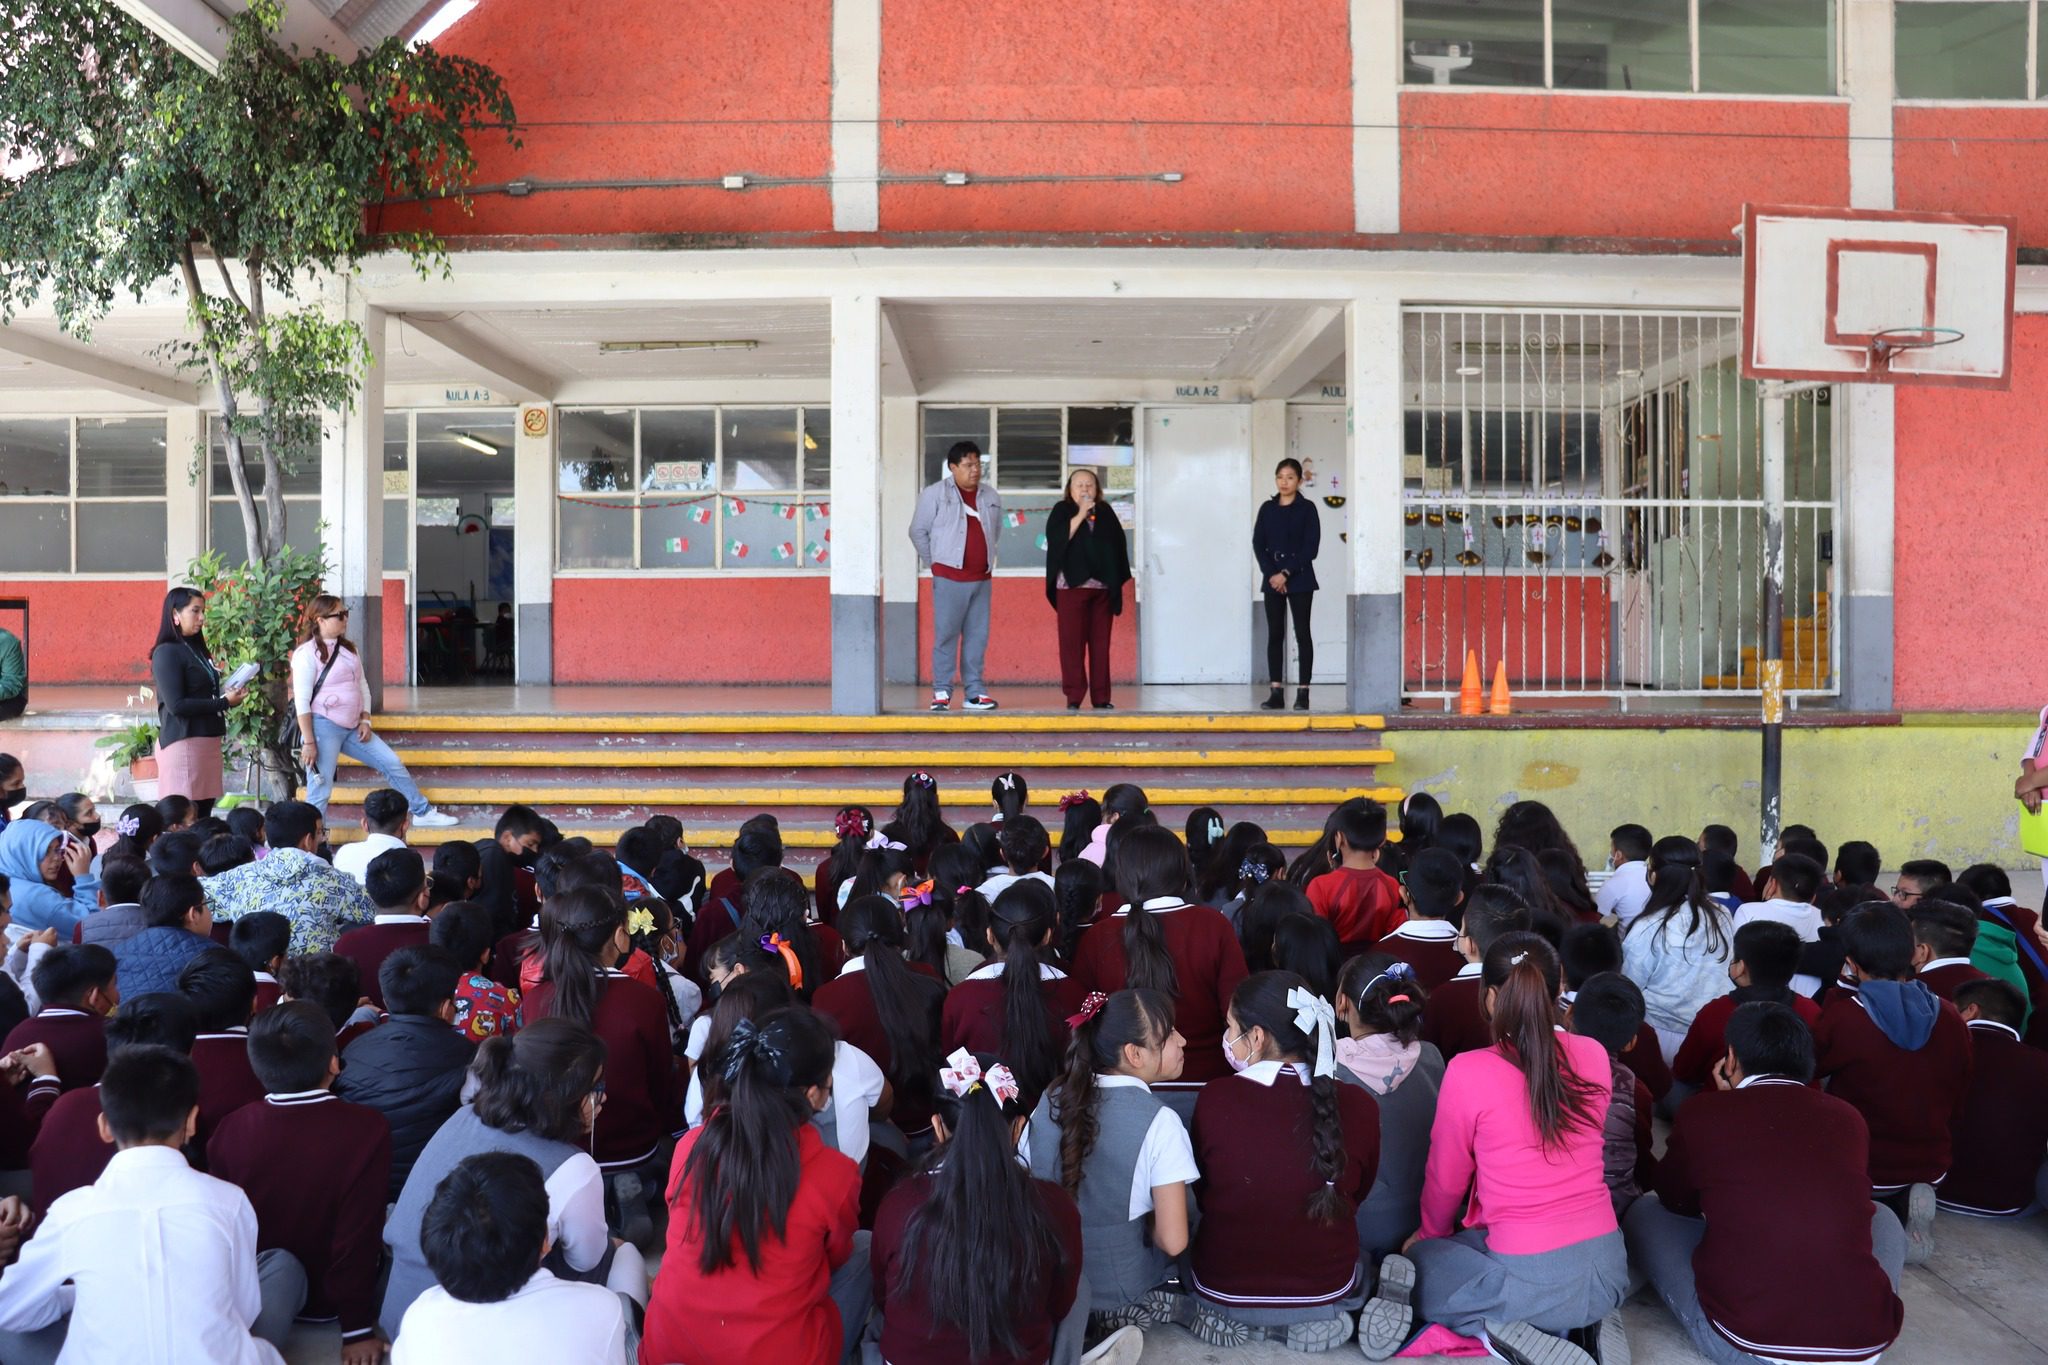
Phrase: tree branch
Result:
[227,280]
[237,476]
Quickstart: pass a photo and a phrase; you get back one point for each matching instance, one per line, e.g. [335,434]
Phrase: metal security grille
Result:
[1584,499]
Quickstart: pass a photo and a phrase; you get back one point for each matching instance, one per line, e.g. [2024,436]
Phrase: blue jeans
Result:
[336,740]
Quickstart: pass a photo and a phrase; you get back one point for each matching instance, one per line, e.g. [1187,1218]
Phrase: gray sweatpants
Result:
[959,633]
[1463,1285]
[1663,1242]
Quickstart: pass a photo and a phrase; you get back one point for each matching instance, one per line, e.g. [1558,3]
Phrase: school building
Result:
[755,267]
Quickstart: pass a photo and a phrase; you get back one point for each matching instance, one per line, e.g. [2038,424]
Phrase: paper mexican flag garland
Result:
[701,514]
[678,545]
[1041,542]
[737,549]
[814,510]
[785,551]
[817,554]
[1014,518]
[787,511]
[736,507]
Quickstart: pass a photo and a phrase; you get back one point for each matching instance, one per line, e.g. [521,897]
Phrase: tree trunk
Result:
[273,482]
[245,503]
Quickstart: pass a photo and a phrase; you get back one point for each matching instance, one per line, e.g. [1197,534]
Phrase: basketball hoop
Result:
[1886,345]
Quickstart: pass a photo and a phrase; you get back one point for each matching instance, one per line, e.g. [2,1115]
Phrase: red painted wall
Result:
[1962,457]
[761,629]
[1252,103]
[1554,628]
[396,624]
[1497,164]
[88,631]
[1965,160]
[1024,638]
[650,89]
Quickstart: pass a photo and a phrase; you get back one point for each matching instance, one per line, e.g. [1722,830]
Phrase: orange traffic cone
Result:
[1470,701]
[1499,705]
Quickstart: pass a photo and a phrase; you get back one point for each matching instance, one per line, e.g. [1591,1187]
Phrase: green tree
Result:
[127,165]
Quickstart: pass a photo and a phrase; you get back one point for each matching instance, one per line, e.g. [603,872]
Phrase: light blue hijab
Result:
[23,845]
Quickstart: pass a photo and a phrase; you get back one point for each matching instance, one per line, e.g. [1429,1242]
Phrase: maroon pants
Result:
[1084,644]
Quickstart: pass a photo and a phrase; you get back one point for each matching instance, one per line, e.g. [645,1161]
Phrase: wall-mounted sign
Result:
[534,421]
[397,483]
[1197,390]
[1333,391]
[468,395]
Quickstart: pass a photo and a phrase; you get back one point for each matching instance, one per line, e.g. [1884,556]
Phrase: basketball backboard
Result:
[1859,296]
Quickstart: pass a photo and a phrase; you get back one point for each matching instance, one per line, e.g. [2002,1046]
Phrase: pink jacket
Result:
[344,698]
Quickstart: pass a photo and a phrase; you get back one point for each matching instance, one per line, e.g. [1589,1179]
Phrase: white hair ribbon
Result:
[961,1073]
[1316,1017]
[881,840]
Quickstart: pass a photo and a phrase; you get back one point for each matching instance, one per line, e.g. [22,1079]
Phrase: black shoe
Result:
[1073,706]
[1105,706]
[1276,700]
[1301,699]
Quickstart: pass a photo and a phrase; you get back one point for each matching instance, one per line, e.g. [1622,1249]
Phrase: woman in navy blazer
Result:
[1285,538]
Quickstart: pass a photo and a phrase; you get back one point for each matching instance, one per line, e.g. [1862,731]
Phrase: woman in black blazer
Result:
[1087,563]
[192,710]
[1285,538]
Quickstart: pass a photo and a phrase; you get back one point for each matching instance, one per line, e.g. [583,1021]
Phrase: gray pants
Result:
[1663,1242]
[959,629]
[1463,1285]
[853,1289]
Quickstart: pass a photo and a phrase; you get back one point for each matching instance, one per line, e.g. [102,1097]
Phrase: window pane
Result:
[35,537]
[397,454]
[944,426]
[760,450]
[1028,448]
[301,527]
[596,452]
[678,451]
[1457,42]
[397,535]
[1024,528]
[817,450]
[757,535]
[596,533]
[120,457]
[1767,47]
[1975,51]
[302,477]
[1622,44]
[35,460]
[679,537]
[120,537]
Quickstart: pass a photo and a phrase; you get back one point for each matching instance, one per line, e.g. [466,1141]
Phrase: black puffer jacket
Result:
[410,1069]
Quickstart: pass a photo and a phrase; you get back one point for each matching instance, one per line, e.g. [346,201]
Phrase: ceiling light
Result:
[1469,371]
[810,441]
[481,447]
[629,347]
[1630,374]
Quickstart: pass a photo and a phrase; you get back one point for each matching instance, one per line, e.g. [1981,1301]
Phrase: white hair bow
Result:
[881,840]
[962,1073]
[1315,1016]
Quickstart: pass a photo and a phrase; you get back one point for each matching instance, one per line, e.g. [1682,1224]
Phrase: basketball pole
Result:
[1771,655]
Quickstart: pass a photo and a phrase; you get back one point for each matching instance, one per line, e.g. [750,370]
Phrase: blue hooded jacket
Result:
[36,905]
[1904,1011]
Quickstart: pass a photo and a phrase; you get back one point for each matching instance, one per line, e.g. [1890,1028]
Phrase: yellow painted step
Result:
[1122,760]
[1094,724]
[604,836]
[783,798]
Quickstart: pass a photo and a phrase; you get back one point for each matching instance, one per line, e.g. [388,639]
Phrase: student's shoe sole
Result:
[1121,1347]
[1389,1315]
[1163,1306]
[1213,1329]
[1520,1344]
[1324,1334]
[1612,1346]
[1920,1206]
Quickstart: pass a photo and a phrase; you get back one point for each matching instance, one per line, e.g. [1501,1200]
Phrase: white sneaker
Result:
[435,819]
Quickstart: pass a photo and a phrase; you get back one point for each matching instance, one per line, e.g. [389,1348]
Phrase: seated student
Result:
[483,1008]
[1361,902]
[1901,1055]
[69,1151]
[247,821]
[1608,1008]
[1720,841]
[35,857]
[260,939]
[1918,876]
[1764,956]
[886,1008]
[1627,888]
[1017,1006]
[1024,846]
[411,1067]
[2009,944]
[679,877]
[1676,948]
[1306,945]
[514,843]
[1433,889]
[161,1261]
[657,937]
[638,852]
[1717,875]
[1761,1238]
[76,983]
[122,877]
[1857,863]
[1820,972]
[222,992]
[396,882]
[461,864]
[294,881]
[323,1203]
[1788,897]
[331,982]
[973,1259]
[1287,1155]
[1943,935]
[180,927]
[757,845]
[1588,950]
[2000,1135]
[1124,1156]
[1454,1019]
[1518,1129]
[224,853]
[177,852]
[537,1095]
[763,1213]
[1379,1045]
[485,1236]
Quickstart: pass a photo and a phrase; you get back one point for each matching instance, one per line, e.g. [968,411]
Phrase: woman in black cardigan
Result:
[1087,564]
[1285,538]
[192,711]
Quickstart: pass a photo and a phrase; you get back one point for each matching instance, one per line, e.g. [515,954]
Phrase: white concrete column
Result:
[185,530]
[1376,115]
[352,494]
[533,542]
[902,473]
[1868,79]
[1865,414]
[1372,364]
[857,504]
[856,116]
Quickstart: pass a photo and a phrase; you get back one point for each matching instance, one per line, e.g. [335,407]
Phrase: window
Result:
[1762,47]
[397,491]
[300,483]
[694,488]
[83,495]
[1965,49]
[1029,452]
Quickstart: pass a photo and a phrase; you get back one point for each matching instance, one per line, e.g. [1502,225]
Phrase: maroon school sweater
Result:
[974,1013]
[368,945]
[643,1101]
[1778,1170]
[69,1153]
[1256,1245]
[77,1039]
[508,954]
[1706,1042]
[22,1111]
[849,1003]
[1422,945]
[267,992]
[325,1205]
[1646,1059]
[2002,1128]
[910,1335]
[1452,1019]
[1208,963]
[1943,979]
[226,1080]
[1908,1099]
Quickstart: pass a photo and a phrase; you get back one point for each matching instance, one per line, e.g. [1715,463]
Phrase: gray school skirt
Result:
[1461,1284]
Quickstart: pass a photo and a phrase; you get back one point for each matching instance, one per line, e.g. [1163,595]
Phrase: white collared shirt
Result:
[1002,881]
[993,970]
[558,1321]
[1766,1078]
[1625,892]
[1469,970]
[162,1261]
[2007,1029]
[401,919]
[1946,962]
[1427,931]
[1803,917]
[1267,1072]
[355,858]
[1158,905]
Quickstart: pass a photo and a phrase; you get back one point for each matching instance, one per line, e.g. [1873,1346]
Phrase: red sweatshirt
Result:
[1363,904]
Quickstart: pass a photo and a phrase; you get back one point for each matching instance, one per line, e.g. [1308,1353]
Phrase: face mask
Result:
[89,830]
[13,796]
[1237,1063]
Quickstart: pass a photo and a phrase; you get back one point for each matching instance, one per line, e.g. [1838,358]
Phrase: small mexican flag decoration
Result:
[678,545]
[701,514]
[736,507]
[737,549]
[787,511]
[1014,518]
[1041,542]
[814,510]
[817,554]
[785,551]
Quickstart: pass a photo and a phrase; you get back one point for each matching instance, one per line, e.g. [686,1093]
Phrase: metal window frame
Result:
[72,499]
[2033,74]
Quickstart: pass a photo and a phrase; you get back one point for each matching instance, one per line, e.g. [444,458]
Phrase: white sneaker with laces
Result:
[980,701]
[435,819]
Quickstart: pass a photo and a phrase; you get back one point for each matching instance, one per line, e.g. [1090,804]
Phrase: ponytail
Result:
[874,933]
[1150,864]
[1023,917]
[1077,897]
[918,822]
[854,826]
[574,928]
[955,872]
[1521,970]
[1011,794]
[1261,1001]
[1385,995]
[1678,882]
[1127,1019]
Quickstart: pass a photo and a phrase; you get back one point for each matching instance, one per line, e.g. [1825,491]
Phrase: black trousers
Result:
[13,706]
[1278,605]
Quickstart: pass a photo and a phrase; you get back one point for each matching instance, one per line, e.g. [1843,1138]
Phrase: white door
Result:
[1315,436]
[1197,619]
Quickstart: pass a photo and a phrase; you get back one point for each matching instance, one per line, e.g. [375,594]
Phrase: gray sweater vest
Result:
[1119,1262]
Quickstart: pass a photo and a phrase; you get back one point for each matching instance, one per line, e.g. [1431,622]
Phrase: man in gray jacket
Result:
[955,530]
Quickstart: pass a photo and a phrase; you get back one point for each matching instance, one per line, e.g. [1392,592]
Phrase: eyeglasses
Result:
[341,615]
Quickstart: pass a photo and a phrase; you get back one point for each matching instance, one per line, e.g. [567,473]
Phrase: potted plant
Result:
[134,747]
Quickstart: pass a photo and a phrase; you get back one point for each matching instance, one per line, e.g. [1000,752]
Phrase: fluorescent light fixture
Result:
[630,347]
[1630,373]
[480,446]
[1469,371]
[955,177]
